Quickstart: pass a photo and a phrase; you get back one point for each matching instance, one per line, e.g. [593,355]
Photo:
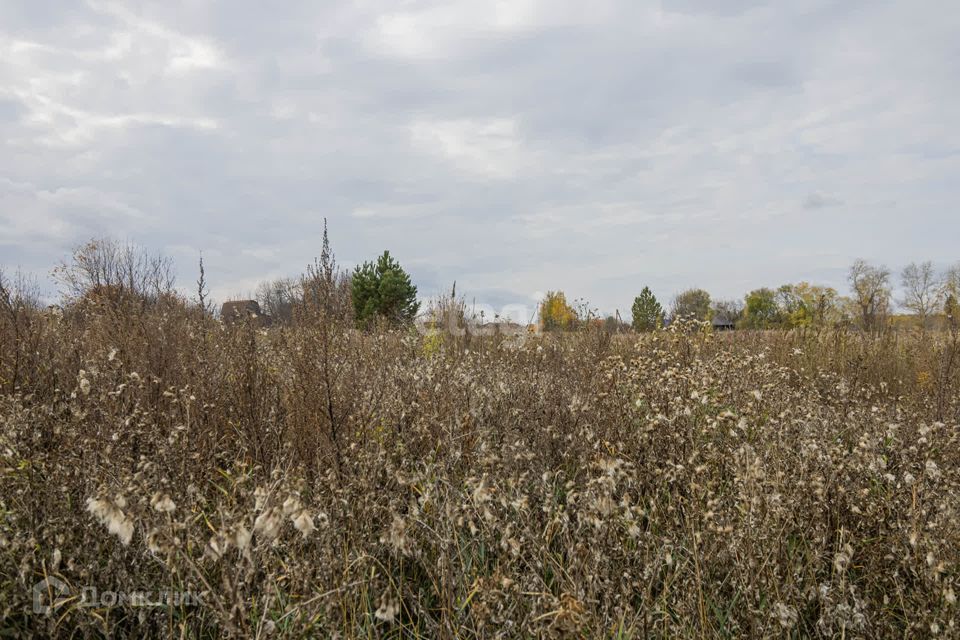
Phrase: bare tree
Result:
[921,290]
[871,292]
[19,292]
[109,269]
[278,297]
[731,310]
[19,299]
[950,282]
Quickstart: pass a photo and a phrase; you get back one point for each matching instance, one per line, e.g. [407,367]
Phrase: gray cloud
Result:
[819,200]
[513,147]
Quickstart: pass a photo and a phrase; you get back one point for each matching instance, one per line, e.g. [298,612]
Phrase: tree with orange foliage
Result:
[556,314]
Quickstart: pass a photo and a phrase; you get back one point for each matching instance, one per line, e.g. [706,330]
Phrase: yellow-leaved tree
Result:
[556,314]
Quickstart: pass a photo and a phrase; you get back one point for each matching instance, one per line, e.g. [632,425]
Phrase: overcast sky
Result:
[513,146]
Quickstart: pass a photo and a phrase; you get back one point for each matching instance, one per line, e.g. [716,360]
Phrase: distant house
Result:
[240,311]
[723,322]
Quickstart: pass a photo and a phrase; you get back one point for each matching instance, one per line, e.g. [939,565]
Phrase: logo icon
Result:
[48,595]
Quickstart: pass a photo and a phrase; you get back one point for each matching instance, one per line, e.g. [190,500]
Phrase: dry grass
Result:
[319,481]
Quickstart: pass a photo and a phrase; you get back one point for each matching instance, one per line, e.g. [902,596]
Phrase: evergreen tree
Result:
[383,290]
[647,312]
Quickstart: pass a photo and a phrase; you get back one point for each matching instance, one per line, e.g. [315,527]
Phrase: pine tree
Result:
[383,290]
[647,312]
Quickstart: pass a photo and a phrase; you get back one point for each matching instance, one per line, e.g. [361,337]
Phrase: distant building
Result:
[723,322]
[240,311]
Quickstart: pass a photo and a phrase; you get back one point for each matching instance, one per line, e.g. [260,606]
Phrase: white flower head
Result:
[291,505]
[241,537]
[482,493]
[396,537]
[842,558]
[389,608]
[162,503]
[268,523]
[112,516]
[217,546]
[304,523]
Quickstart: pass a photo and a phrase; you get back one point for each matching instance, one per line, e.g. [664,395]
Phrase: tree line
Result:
[929,297]
[124,279]
[381,292]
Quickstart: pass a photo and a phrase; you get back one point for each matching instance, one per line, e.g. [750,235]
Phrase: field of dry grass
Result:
[318,481]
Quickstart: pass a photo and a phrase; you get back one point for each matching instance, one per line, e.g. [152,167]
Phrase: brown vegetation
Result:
[313,479]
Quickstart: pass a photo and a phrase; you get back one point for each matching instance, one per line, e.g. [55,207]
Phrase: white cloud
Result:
[33,215]
[487,147]
[183,52]
[74,92]
[424,30]
[513,146]
[392,211]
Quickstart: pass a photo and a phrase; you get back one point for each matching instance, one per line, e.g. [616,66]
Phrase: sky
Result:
[512,146]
